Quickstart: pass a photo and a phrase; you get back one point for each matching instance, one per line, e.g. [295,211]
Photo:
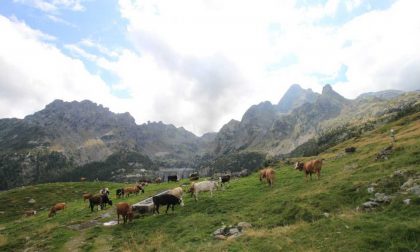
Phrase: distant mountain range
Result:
[70,139]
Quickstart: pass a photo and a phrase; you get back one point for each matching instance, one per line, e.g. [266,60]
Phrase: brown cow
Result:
[87,196]
[309,167]
[268,174]
[30,213]
[55,208]
[136,189]
[125,210]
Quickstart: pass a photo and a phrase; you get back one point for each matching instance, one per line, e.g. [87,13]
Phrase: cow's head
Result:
[181,202]
[299,166]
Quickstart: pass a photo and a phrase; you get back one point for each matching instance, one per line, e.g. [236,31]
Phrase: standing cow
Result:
[309,167]
[166,199]
[268,174]
[203,186]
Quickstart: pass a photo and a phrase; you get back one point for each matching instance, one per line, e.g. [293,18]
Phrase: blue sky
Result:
[199,64]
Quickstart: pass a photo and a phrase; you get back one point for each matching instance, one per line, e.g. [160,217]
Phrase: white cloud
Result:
[34,72]
[54,5]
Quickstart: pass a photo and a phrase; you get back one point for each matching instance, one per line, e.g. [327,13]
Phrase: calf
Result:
[268,174]
[309,167]
[120,192]
[166,199]
[99,200]
[203,186]
[55,208]
[30,213]
[224,179]
[125,210]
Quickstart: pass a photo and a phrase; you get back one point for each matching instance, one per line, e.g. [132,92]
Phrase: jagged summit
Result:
[295,97]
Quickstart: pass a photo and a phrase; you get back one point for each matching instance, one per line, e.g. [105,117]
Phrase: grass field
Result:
[294,215]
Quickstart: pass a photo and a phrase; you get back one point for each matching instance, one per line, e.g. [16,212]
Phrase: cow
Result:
[136,189]
[125,210]
[166,199]
[30,213]
[104,191]
[120,193]
[86,196]
[350,149]
[100,201]
[55,208]
[309,167]
[177,192]
[268,174]
[158,180]
[224,179]
[203,186]
[82,179]
[173,178]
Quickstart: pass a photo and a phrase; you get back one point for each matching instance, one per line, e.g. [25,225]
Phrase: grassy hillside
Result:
[294,215]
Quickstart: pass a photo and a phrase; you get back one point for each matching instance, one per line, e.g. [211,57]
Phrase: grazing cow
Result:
[177,192]
[203,186]
[86,196]
[309,167]
[268,174]
[100,201]
[120,192]
[158,180]
[104,191]
[82,179]
[136,189]
[166,199]
[55,208]
[173,178]
[350,149]
[224,179]
[125,210]
[30,213]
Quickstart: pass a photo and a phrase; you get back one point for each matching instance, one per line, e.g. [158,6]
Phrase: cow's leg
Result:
[173,206]
[118,218]
[195,196]
[167,208]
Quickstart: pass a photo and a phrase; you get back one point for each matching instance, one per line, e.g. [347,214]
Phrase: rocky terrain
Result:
[69,140]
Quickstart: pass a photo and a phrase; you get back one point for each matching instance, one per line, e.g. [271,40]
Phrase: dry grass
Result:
[3,240]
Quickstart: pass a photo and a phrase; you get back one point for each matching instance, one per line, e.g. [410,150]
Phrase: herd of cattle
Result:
[174,197]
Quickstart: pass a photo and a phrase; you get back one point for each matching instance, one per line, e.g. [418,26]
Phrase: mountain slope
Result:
[294,215]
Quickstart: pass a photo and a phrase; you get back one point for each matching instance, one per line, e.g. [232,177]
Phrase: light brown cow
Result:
[268,174]
[87,196]
[309,167]
[136,189]
[125,210]
[55,208]
[177,192]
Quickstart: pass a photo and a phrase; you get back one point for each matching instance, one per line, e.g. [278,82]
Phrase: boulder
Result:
[370,204]
[244,225]
[407,201]
[414,190]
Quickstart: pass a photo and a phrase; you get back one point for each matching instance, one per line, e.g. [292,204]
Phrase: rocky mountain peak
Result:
[295,97]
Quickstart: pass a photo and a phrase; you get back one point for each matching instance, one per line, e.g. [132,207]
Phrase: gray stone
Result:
[414,190]
[244,224]
[31,201]
[409,183]
[370,189]
[370,204]
[233,231]
[407,201]
[218,231]
[326,215]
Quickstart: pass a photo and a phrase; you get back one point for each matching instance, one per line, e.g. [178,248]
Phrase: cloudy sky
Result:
[200,63]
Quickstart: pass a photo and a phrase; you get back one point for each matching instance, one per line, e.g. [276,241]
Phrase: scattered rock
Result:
[31,201]
[407,201]
[409,183]
[399,173]
[414,190]
[370,205]
[383,154]
[370,189]
[326,215]
[233,231]
[244,225]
